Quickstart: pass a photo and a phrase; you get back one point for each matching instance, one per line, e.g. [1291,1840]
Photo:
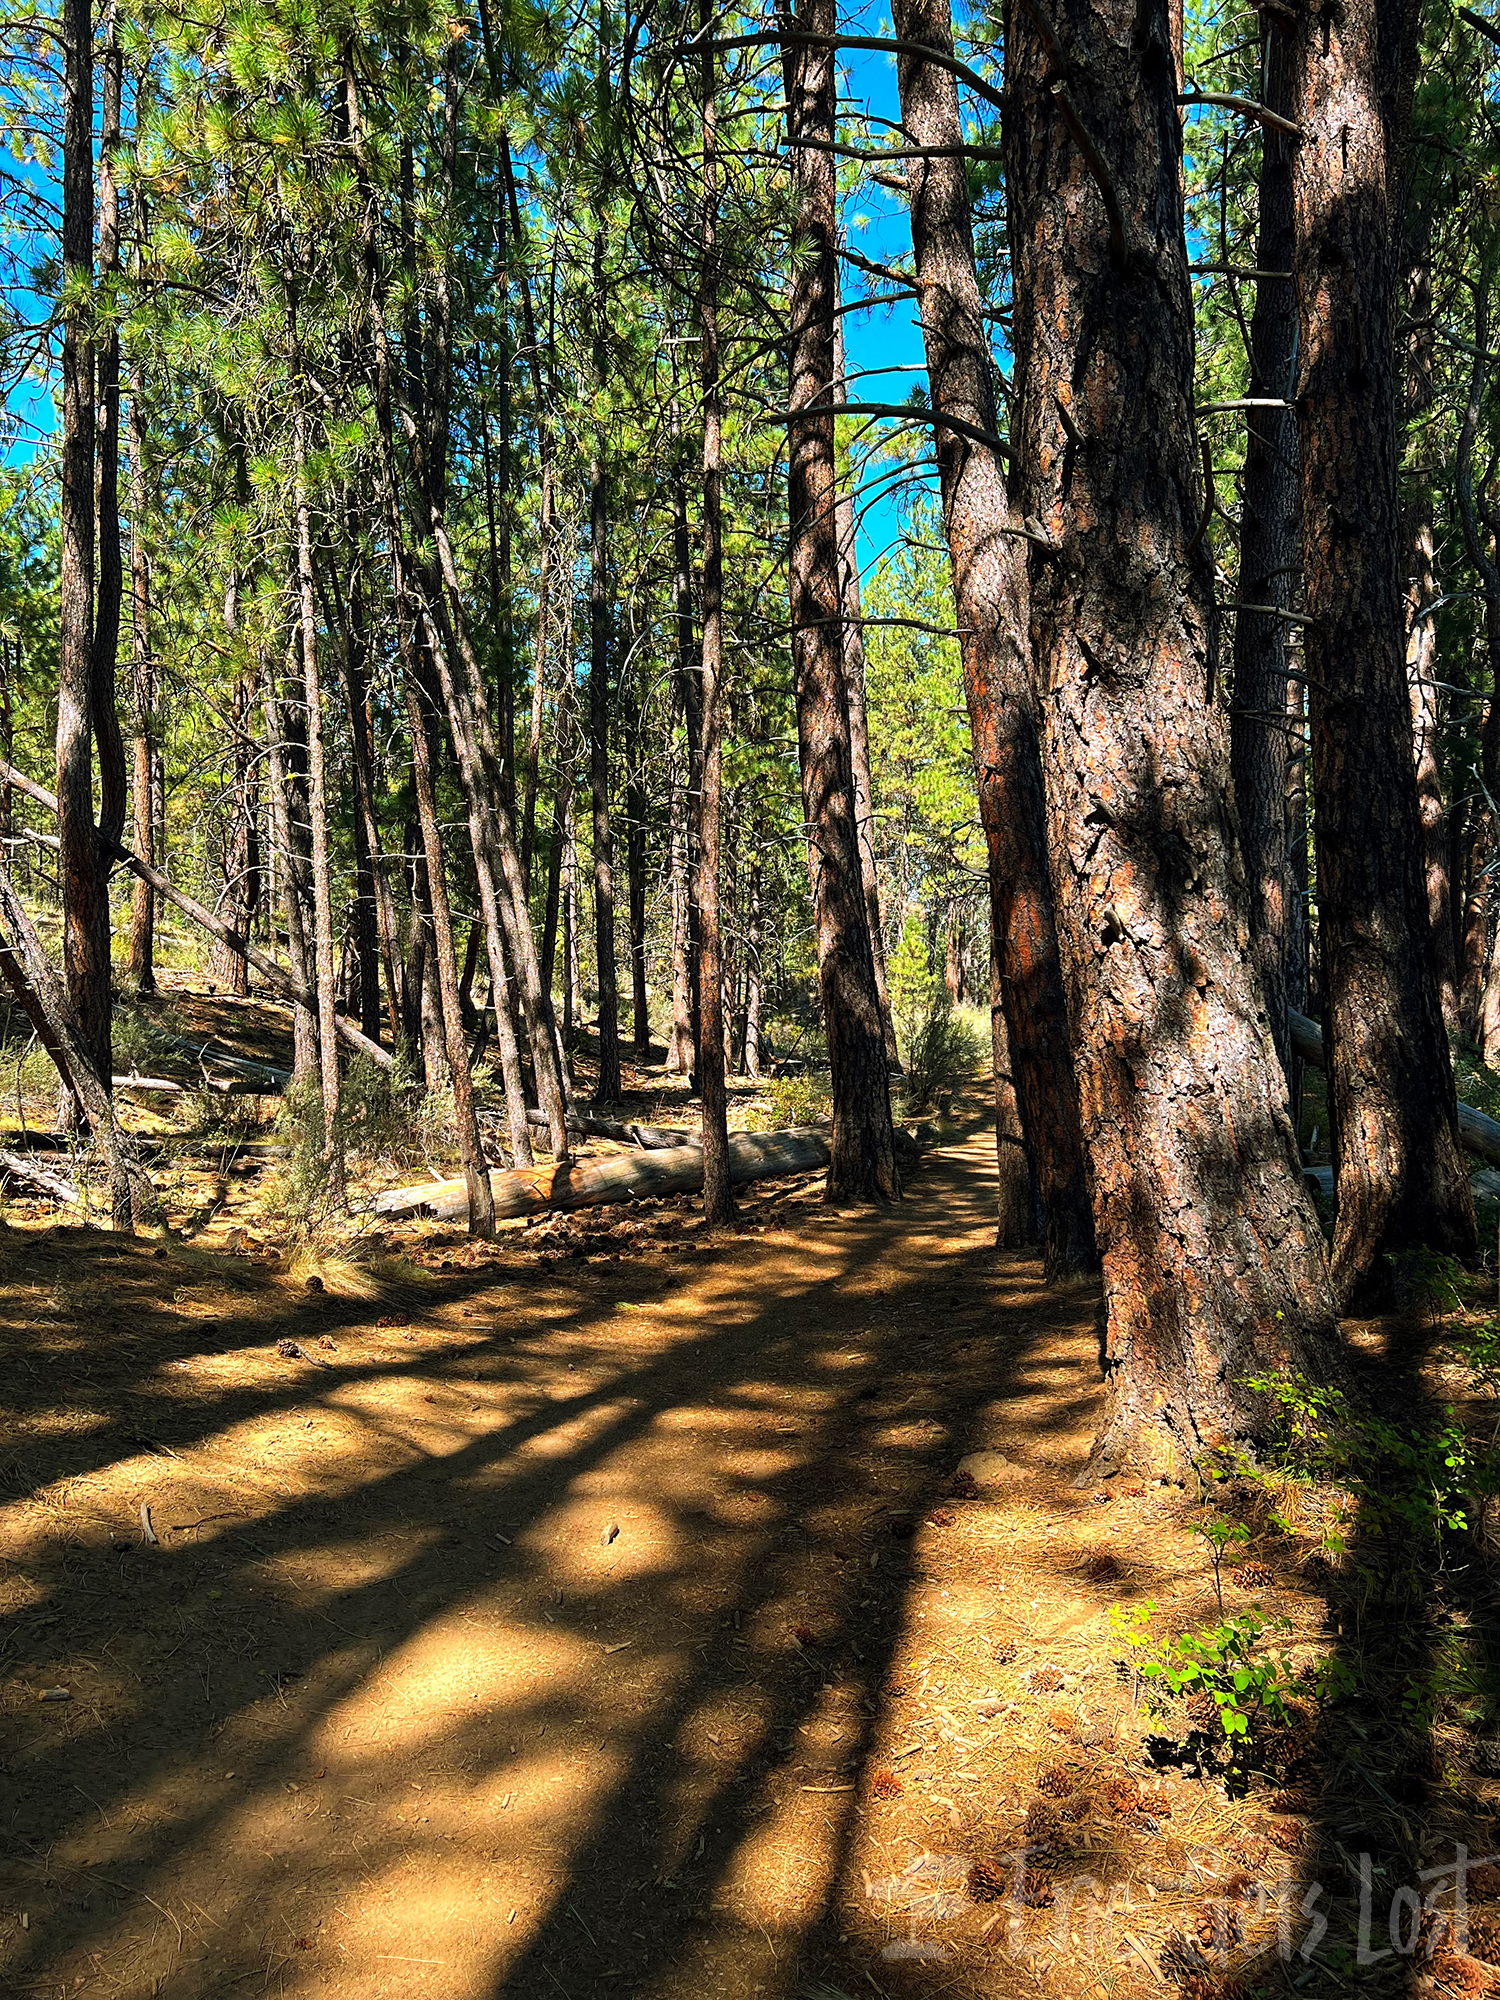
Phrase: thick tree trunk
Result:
[108,742]
[986,541]
[1269,566]
[85,895]
[862,1165]
[1019,1199]
[718,1202]
[1400,1176]
[141,971]
[1481,527]
[470,1145]
[317,802]
[859,721]
[1213,1261]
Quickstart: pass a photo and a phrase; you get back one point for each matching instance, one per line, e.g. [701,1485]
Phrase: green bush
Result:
[796,1100]
[942,1055]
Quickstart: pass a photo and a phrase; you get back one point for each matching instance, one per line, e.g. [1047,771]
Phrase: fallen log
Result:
[1477,1131]
[654,1138]
[753,1156]
[21,1169]
[275,976]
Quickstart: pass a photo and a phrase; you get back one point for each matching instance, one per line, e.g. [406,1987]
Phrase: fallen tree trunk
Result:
[275,976]
[21,1169]
[654,1138]
[1477,1132]
[753,1156]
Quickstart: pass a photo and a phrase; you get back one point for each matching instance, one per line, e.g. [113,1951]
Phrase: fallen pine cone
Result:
[1483,1881]
[940,1518]
[1298,1804]
[1211,1986]
[964,1486]
[1217,1925]
[1061,1720]
[987,1882]
[1285,1834]
[1202,1711]
[1044,1680]
[1483,1937]
[1132,1491]
[1057,1782]
[886,1785]
[1120,1794]
[1459,1977]
[1003,1651]
[390,1319]
[314,1283]
[290,1350]
[1043,1821]
[1251,1850]
[1252,1576]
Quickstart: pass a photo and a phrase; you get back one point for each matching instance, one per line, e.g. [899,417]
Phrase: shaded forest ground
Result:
[609,1611]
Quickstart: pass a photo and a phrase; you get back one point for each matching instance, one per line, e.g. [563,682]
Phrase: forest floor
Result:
[611,1611]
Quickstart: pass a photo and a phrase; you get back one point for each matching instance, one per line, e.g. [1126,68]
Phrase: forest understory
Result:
[629,1607]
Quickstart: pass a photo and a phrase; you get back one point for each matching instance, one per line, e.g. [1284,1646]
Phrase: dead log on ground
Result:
[654,1138]
[753,1156]
[1477,1131]
[21,1169]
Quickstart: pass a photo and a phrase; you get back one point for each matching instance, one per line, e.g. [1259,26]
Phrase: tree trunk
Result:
[608,1088]
[862,1163]
[1422,673]
[1481,526]
[985,538]
[755,989]
[25,969]
[470,1145]
[317,802]
[1213,1261]
[142,970]
[718,1202]
[680,1043]
[241,848]
[859,721]
[690,694]
[108,741]
[368,843]
[1269,566]
[286,835]
[1019,1196]
[635,875]
[1478,844]
[85,896]
[1400,1176]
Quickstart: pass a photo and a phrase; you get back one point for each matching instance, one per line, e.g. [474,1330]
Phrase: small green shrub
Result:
[942,1054]
[796,1100]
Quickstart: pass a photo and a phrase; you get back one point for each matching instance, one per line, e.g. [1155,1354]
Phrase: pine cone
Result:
[1202,1711]
[1043,1821]
[987,1882]
[1217,1925]
[1044,1680]
[1251,1850]
[1484,1937]
[1057,1781]
[964,1486]
[1034,1888]
[1459,1978]
[1206,1986]
[1061,1720]
[1003,1651]
[1120,1794]
[1181,1959]
[1484,1881]
[1285,1834]
[1242,1885]
[1253,1576]
[886,1785]
[940,1518]
[1301,1804]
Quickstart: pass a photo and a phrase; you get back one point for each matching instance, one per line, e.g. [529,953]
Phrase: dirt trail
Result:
[577,1627]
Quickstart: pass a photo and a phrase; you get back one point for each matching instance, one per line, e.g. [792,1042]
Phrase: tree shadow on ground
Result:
[532,1644]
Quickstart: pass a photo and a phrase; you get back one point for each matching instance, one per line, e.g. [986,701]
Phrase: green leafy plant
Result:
[1221,1536]
[1227,1662]
[796,1100]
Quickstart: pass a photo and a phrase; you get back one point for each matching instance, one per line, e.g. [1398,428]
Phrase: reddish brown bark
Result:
[1213,1261]
[987,545]
[863,1163]
[144,830]
[1400,1176]
[85,895]
[1422,675]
